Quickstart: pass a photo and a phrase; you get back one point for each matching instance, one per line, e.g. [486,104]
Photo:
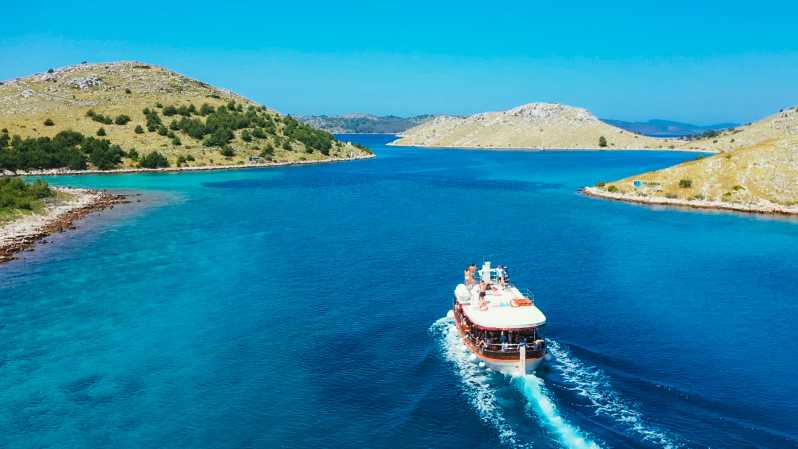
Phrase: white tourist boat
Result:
[499,325]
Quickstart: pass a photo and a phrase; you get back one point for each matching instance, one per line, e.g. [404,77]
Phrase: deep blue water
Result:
[302,307]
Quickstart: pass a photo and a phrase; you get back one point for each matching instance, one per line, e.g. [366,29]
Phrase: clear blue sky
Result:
[698,61]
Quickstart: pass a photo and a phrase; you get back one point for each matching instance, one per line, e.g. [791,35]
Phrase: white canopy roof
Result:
[500,314]
[505,317]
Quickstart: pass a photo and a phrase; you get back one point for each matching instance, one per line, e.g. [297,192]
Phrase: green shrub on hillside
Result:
[48,122]
[311,137]
[206,109]
[138,130]
[602,141]
[121,119]
[220,137]
[17,194]
[67,149]
[153,160]
[99,118]
[101,132]
[685,183]
[153,121]
[101,153]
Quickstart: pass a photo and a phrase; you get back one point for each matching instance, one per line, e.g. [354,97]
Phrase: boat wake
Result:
[542,404]
[591,383]
[482,394]
[476,382]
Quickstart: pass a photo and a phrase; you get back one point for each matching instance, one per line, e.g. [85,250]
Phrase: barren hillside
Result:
[534,126]
[757,171]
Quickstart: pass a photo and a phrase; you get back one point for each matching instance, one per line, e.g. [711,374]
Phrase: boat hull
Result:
[513,368]
[507,366]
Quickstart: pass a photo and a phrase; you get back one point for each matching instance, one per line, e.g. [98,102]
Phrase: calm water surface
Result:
[302,307]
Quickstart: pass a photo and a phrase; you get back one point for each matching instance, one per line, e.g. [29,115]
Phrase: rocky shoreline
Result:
[22,234]
[64,171]
[762,207]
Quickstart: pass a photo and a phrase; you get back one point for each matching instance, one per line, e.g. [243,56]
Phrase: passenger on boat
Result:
[502,275]
[503,340]
[483,289]
[468,274]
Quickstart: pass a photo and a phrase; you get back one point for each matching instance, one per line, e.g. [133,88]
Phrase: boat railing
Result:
[511,347]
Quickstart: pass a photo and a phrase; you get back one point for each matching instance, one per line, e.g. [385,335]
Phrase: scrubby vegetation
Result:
[100,118]
[153,160]
[235,129]
[16,194]
[67,149]
[222,124]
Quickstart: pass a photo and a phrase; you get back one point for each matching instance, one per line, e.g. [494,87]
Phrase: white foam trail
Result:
[592,384]
[542,404]
[483,397]
[475,382]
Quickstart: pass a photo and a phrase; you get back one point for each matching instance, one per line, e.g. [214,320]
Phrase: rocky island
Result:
[540,126]
[755,171]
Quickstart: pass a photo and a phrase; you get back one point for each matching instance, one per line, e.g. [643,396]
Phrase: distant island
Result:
[756,171]
[364,123]
[542,126]
[668,128]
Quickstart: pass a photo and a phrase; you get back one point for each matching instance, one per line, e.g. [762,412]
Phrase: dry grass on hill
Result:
[758,166]
[64,96]
[531,126]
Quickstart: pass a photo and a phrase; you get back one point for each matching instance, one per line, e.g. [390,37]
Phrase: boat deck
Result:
[500,312]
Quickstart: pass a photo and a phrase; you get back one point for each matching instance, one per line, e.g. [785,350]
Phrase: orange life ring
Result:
[520,302]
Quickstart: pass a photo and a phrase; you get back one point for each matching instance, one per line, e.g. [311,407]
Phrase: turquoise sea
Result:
[303,307]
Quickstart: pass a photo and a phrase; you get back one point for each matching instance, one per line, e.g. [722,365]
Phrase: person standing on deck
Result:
[468,276]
